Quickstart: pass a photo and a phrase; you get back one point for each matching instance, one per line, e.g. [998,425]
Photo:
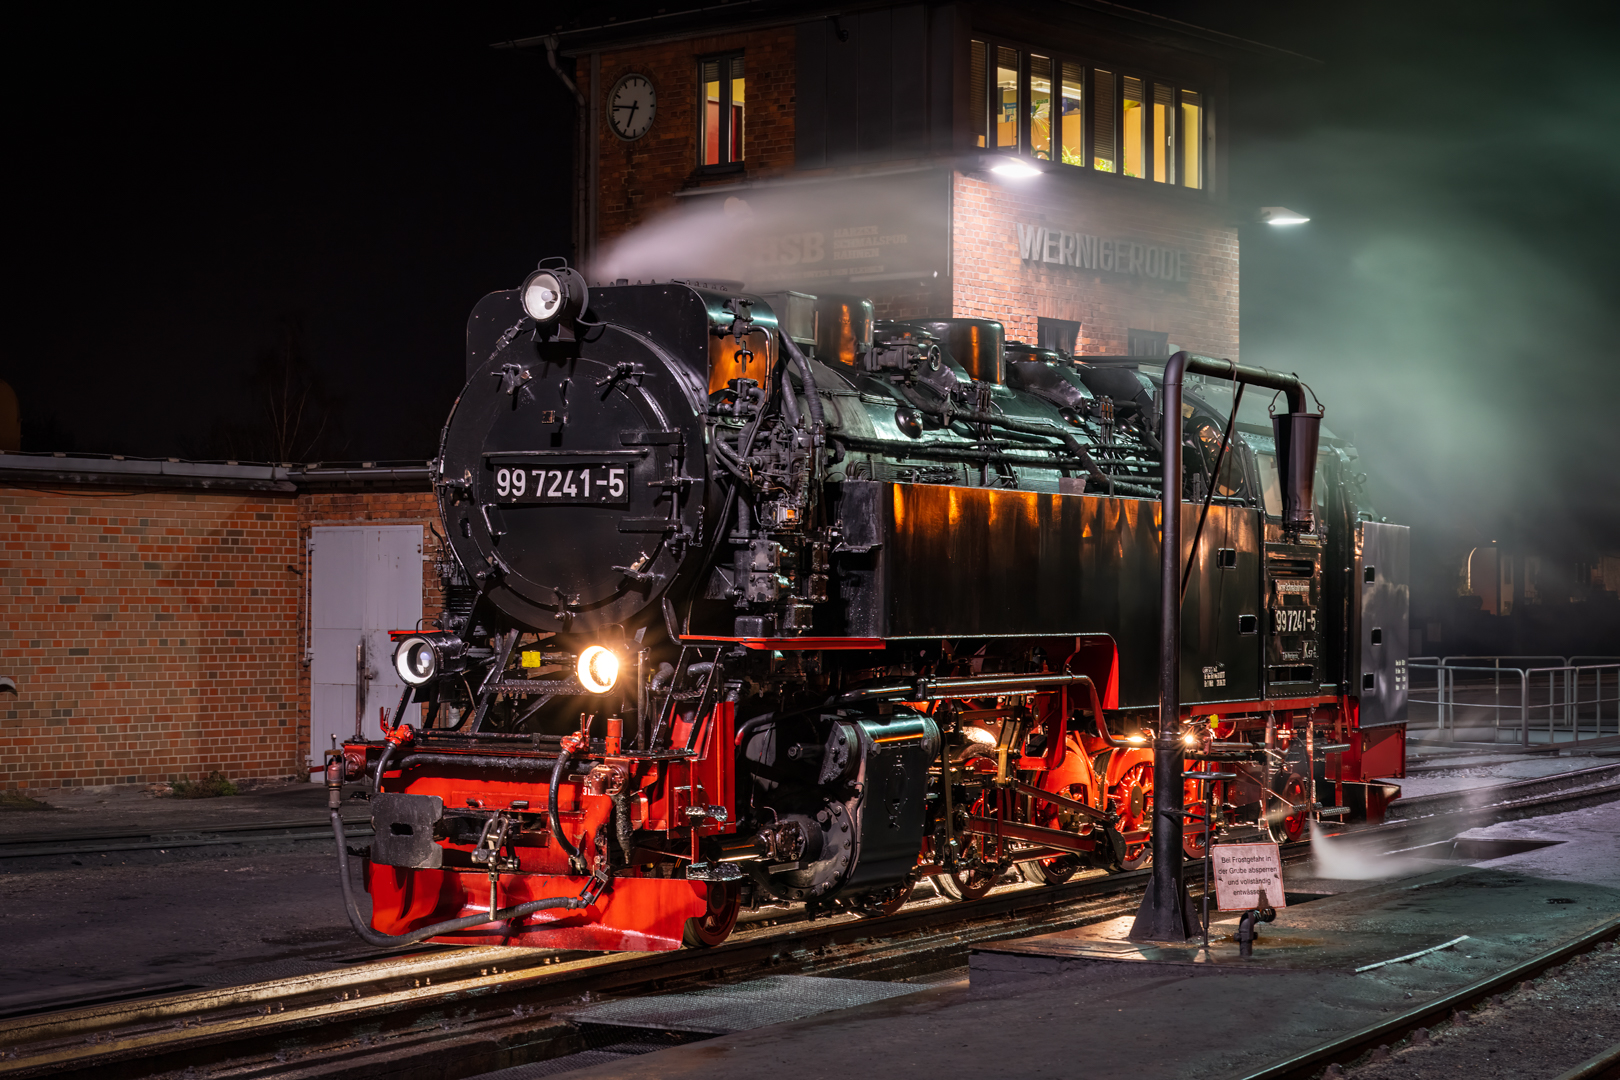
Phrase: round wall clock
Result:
[631,105]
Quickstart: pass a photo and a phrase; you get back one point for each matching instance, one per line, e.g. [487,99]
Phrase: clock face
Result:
[631,106]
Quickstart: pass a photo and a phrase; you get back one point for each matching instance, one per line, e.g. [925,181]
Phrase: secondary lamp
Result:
[1281,215]
[598,669]
[416,661]
[1014,169]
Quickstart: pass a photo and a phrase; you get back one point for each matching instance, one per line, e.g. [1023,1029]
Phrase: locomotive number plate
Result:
[556,483]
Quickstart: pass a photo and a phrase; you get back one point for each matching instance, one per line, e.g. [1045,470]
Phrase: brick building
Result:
[158,618]
[1057,166]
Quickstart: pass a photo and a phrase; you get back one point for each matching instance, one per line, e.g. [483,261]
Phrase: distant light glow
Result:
[1281,215]
[1014,169]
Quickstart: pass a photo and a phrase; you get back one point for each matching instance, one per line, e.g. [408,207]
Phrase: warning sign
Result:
[1242,871]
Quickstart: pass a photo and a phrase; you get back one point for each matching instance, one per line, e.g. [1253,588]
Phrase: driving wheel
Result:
[715,925]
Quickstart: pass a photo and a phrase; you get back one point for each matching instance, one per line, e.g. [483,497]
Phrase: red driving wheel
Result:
[715,925]
[1133,802]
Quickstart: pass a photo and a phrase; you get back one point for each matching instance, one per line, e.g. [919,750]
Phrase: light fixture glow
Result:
[1189,739]
[1014,169]
[598,669]
[1281,215]
[1137,739]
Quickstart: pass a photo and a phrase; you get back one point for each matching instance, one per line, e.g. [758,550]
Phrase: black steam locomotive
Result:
[758,599]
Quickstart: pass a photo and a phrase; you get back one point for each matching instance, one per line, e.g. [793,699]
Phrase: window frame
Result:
[724,135]
[1092,70]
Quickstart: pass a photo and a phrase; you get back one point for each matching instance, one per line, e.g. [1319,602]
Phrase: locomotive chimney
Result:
[1298,434]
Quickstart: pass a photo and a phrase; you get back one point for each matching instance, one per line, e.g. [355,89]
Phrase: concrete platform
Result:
[1079,1005]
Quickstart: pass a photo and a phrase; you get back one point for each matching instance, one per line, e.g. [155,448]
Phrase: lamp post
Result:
[1166,913]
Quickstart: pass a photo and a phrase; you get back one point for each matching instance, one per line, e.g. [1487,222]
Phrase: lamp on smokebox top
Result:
[598,669]
[1281,215]
[554,294]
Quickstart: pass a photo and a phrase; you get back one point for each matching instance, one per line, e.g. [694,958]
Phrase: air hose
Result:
[422,933]
[552,816]
[334,786]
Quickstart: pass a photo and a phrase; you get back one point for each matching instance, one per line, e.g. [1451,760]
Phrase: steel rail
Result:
[159,839]
[1346,1048]
[181,1030]
[492,986]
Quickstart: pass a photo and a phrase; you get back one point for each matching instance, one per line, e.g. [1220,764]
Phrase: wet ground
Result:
[115,923]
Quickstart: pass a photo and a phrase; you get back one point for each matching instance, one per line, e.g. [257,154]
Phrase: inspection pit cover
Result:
[720,1010]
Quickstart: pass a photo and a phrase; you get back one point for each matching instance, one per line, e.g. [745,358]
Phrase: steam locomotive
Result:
[757,599]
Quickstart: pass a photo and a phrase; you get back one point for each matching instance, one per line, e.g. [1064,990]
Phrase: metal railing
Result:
[1525,696]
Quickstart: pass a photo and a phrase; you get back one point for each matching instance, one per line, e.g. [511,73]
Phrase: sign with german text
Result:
[1242,871]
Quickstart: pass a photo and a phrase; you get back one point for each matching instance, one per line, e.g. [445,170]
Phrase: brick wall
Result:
[991,280]
[152,636]
[637,179]
[160,635]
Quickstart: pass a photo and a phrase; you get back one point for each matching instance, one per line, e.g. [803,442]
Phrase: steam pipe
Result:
[1164,914]
[812,393]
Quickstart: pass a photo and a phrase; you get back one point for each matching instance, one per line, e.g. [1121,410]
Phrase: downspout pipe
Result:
[1166,913]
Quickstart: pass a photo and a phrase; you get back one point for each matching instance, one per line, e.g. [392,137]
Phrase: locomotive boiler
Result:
[759,600]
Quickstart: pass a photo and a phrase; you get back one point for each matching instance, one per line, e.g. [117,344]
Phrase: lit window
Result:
[1006,101]
[1192,127]
[1040,107]
[1134,125]
[976,80]
[1102,100]
[1073,130]
[720,142]
[1164,134]
[1131,128]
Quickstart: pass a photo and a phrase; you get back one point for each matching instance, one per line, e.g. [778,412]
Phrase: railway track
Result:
[1347,1048]
[469,1011]
[109,841]
[458,1012]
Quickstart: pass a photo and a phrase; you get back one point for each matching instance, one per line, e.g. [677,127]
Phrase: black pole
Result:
[1165,913]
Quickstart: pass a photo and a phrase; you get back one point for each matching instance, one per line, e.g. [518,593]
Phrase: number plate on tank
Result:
[556,482]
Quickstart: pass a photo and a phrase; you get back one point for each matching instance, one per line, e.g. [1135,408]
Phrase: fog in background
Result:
[1454,297]
[316,206]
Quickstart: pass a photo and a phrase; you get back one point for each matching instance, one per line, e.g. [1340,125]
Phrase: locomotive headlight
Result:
[598,669]
[543,296]
[416,661]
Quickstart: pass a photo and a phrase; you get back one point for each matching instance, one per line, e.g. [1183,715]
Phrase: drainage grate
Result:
[719,1010]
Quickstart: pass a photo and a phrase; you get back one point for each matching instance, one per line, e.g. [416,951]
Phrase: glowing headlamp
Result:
[598,669]
[553,294]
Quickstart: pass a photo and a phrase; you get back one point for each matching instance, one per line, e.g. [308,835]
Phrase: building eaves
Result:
[61,470]
[625,24]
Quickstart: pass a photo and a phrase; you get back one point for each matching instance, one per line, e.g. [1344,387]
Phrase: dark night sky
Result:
[190,191]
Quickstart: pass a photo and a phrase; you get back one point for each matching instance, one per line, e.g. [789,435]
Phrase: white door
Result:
[364,582]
